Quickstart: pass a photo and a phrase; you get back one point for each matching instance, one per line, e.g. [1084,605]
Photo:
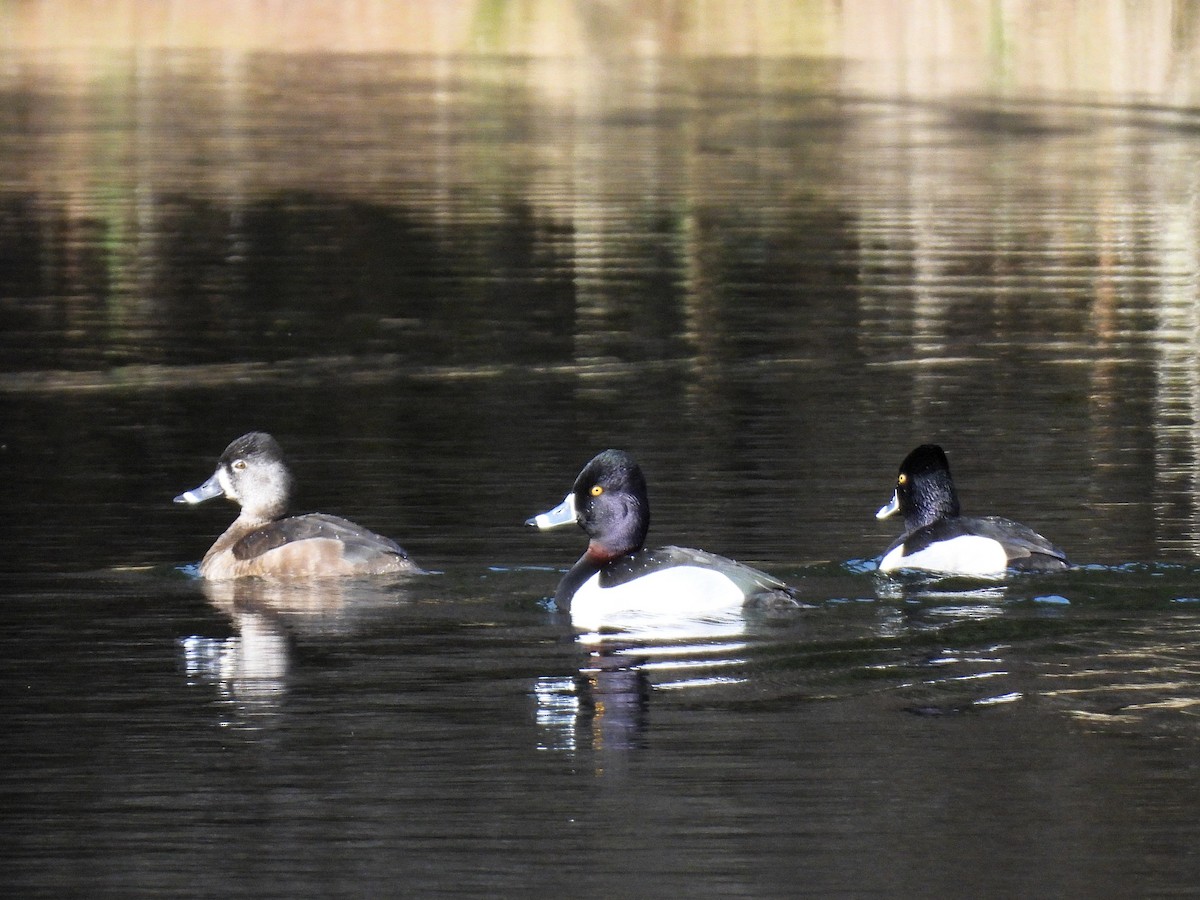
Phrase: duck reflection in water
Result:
[251,665]
[269,618]
[603,707]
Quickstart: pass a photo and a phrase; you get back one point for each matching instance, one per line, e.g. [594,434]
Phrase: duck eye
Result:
[596,490]
[903,479]
[239,464]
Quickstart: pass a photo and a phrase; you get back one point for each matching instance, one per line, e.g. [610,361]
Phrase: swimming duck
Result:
[617,579]
[251,472]
[937,539]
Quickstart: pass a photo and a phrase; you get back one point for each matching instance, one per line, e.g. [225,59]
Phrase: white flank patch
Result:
[965,555]
[678,602]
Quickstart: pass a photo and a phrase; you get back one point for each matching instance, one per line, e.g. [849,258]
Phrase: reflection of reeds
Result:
[344,370]
[929,47]
[984,180]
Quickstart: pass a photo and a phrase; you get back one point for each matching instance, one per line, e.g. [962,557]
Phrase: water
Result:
[444,281]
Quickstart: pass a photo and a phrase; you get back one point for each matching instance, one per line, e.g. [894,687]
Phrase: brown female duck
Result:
[252,473]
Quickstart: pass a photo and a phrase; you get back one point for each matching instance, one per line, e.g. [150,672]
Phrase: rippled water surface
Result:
[444,281]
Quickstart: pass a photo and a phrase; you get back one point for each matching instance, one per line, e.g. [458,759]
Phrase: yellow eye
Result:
[596,490]
[239,464]
[903,479]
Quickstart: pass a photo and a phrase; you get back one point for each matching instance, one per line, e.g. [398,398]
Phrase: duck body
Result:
[261,543]
[937,538]
[618,582]
[672,583]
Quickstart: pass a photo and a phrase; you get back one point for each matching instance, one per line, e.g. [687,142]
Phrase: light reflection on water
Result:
[443,281]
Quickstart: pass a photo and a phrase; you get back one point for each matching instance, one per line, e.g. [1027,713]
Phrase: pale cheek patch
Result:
[226,483]
[966,555]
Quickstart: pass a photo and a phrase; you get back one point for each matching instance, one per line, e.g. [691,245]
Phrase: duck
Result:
[261,543]
[937,538]
[617,580]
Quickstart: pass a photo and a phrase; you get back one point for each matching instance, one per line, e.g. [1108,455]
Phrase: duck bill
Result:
[889,508]
[207,491]
[563,514]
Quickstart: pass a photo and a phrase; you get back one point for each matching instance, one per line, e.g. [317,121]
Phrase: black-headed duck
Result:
[938,539]
[617,579]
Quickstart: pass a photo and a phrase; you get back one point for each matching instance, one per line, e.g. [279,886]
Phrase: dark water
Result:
[443,285]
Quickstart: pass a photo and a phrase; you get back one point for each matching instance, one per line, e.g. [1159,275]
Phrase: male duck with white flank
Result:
[618,581]
[937,539]
[252,473]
